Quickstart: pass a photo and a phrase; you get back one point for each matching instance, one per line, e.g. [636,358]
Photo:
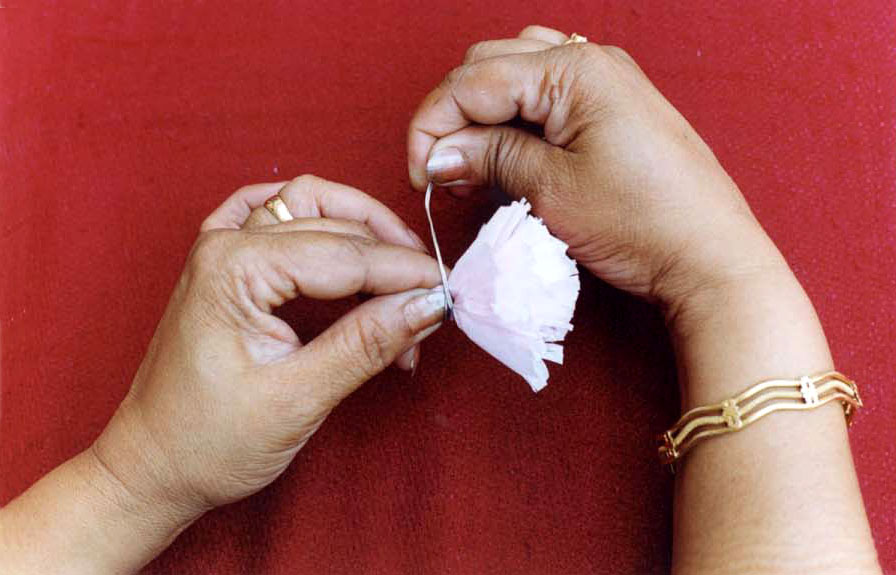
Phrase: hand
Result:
[642,203]
[619,175]
[227,394]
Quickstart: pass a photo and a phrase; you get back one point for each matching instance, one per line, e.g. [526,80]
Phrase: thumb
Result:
[365,341]
[518,162]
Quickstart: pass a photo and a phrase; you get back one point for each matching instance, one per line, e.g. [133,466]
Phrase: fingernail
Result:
[447,165]
[436,298]
[406,360]
[415,361]
[456,184]
[425,310]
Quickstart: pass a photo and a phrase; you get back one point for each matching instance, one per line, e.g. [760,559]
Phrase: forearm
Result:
[781,495]
[80,519]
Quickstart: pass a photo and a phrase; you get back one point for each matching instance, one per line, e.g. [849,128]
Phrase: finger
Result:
[261,216]
[233,212]
[408,359]
[312,197]
[333,226]
[514,160]
[544,34]
[540,88]
[495,48]
[264,270]
[366,340]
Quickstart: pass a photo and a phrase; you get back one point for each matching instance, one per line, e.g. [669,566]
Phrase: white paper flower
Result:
[515,291]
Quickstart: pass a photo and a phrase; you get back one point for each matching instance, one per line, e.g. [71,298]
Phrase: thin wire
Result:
[449,303]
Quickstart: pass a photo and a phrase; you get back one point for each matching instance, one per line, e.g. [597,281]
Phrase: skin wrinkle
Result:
[490,49]
[369,341]
[558,122]
[492,153]
[282,283]
[325,199]
[109,472]
[96,458]
[529,104]
[295,394]
[151,441]
[244,279]
[454,78]
[199,274]
[546,101]
[688,301]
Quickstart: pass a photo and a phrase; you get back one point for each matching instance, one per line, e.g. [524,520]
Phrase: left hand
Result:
[619,175]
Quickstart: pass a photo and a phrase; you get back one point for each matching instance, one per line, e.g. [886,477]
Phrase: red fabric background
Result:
[121,127]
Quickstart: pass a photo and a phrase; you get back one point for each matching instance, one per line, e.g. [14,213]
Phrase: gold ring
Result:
[575,39]
[278,209]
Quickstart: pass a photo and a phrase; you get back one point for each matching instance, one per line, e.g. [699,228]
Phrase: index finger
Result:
[277,267]
[535,86]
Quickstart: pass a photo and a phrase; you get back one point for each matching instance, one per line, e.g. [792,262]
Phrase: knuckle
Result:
[619,54]
[221,266]
[607,59]
[207,224]
[409,323]
[591,72]
[301,184]
[246,283]
[205,275]
[472,51]
[208,251]
[354,247]
[304,179]
[361,231]
[613,50]
[591,53]
[455,75]
[373,344]
[241,191]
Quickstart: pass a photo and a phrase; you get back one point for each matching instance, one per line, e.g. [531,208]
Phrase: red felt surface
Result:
[122,126]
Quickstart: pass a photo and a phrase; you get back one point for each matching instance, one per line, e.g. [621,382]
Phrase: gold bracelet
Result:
[807,392]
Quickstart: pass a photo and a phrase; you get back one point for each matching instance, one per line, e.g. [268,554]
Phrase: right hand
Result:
[620,175]
[227,393]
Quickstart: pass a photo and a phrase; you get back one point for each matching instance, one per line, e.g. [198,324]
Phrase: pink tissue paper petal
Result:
[515,291]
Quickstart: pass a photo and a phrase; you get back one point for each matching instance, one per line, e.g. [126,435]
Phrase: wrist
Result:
[731,256]
[135,505]
[728,338]
[734,291]
[80,518]
[127,457]
[133,526]
[733,334]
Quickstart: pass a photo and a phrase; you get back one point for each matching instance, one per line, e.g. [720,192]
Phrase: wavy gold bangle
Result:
[733,414]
